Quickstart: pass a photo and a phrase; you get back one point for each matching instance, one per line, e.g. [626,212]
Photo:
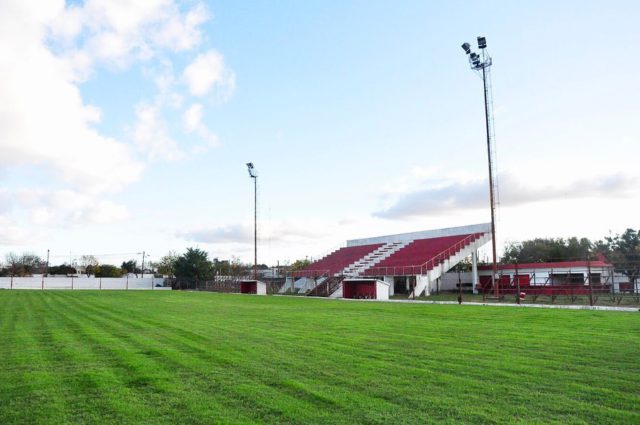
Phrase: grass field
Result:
[202,358]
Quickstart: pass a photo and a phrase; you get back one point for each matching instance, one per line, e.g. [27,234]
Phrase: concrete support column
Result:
[424,279]
[390,281]
[474,271]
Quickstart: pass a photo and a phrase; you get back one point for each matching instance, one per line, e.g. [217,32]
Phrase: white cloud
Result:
[236,233]
[207,71]
[48,48]
[118,32]
[64,207]
[182,32]
[193,117]
[43,120]
[151,135]
[282,232]
[36,210]
[13,234]
[193,124]
[441,197]
[100,212]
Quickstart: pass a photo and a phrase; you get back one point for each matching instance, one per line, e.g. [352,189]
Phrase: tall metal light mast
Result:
[482,63]
[254,176]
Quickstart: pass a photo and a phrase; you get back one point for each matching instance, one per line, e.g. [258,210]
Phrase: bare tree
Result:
[25,264]
[89,264]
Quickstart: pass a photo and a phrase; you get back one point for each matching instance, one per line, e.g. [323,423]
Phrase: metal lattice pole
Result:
[482,63]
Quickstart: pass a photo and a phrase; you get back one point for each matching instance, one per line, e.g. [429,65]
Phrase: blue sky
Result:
[126,127]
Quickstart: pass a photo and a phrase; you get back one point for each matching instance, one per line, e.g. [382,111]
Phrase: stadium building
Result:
[378,267]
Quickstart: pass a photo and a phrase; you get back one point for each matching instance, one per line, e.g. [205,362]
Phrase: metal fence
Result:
[228,284]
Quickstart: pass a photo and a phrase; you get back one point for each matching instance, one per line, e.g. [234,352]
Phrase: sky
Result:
[126,126]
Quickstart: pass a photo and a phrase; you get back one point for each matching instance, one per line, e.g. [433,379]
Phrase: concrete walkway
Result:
[560,306]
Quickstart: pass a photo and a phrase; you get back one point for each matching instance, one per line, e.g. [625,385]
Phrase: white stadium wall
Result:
[89,283]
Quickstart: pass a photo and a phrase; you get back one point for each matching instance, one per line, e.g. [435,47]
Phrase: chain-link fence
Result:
[227,284]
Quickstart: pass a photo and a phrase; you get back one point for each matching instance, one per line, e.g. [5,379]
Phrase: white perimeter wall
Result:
[35,282]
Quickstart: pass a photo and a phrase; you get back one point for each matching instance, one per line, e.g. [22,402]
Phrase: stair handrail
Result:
[427,265]
[331,284]
[311,273]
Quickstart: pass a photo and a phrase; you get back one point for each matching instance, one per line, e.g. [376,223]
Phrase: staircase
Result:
[446,264]
[327,287]
[301,285]
[373,258]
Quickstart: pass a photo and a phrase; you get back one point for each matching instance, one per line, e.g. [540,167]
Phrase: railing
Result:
[567,283]
[312,274]
[230,284]
[326,288]
[426,266]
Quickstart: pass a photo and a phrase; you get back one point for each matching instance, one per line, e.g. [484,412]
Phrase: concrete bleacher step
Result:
[373,258]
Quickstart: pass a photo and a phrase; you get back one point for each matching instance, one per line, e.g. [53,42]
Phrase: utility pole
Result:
[589,277]
[46,270]
[142,269]
[482,63]
[254,176]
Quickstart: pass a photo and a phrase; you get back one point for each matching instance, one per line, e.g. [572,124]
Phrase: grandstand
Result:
[408,263]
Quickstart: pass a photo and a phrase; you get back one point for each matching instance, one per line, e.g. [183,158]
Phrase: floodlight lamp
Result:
[250,169]
[474,56]
[466,47]
[482,42]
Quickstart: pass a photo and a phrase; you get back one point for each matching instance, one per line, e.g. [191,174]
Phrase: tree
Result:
[194,264]
[13,264]
[130,266]
[64,269]
[542,250]
[25,264]
[238,268]
[167,264]
[107,270]
[463,266]
[623,251]
[89,264]
[299,265]
[221,267]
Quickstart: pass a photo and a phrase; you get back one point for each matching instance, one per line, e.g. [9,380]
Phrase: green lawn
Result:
[201,358]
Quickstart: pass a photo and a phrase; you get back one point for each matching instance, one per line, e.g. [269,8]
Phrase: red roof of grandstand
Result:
[552,265]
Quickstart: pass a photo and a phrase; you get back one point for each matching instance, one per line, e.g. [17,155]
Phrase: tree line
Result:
[193,264]
[622,251]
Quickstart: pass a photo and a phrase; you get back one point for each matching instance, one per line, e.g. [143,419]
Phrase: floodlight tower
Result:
[254,176]
[481,63]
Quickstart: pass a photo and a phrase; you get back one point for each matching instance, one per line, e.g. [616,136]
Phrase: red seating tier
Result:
[338,260]
[420,251]
[424,252]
